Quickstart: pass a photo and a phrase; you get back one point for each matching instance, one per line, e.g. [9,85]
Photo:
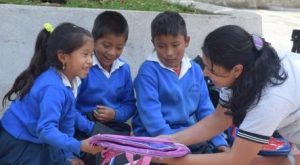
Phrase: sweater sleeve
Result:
[128,107]
[219,140]
[149,106]
[52,104]
[82,123]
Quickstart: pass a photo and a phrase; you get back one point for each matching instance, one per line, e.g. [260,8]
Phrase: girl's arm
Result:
[82,123]
[85,146]
[243,152]
[205,129]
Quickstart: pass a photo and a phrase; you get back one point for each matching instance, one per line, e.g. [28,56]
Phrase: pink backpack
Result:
[146,147]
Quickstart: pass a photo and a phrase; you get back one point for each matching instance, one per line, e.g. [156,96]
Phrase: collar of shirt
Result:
[185,64]
[75,83]
[116,65]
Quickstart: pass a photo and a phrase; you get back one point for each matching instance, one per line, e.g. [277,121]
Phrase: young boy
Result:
[170,89]
[106,95]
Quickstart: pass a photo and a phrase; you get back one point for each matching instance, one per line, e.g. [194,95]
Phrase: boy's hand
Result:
[76,161]
[88,148]
[104,114]
[223,149]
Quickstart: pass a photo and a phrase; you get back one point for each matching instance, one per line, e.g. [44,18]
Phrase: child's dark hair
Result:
[230,45]
[65,38]
[110,22]
[168,23]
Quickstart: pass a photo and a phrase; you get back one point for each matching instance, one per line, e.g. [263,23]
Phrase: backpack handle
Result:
[144,160]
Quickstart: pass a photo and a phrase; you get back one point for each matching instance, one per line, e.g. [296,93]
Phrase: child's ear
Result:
[61,57]
[187,41]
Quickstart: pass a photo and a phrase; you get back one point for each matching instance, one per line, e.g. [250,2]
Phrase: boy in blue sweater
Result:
[170,88]
[38,126]
[106,95]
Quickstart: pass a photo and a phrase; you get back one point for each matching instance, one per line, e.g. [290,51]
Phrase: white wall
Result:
[20,25]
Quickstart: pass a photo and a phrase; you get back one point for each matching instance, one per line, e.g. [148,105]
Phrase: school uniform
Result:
[278,108]
[168,103]
[39,127]
[112,89]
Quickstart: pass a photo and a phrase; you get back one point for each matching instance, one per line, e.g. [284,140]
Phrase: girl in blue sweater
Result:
[38,126]
[170,89]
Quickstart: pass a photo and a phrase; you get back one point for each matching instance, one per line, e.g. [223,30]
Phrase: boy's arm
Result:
[149,106]
[219,140]
[128,107]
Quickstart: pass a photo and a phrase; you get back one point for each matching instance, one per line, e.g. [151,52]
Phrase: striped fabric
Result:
[253,137]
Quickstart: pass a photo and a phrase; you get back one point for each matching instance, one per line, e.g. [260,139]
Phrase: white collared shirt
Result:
[185,64]
[116,65]
[75,83]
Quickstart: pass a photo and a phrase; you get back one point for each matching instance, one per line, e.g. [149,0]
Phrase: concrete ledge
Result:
[21,24]
[266,4]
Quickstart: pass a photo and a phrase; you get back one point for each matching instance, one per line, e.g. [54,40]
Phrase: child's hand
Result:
[76,161]
[88,148]
[223,149]
[104,114]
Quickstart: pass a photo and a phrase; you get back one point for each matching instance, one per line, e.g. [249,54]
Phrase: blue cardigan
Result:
[46,114]
[167,104]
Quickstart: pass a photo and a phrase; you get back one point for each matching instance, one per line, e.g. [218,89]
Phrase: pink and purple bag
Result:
[146,147]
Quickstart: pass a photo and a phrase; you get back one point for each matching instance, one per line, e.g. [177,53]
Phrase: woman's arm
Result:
[242,152]
[205,129]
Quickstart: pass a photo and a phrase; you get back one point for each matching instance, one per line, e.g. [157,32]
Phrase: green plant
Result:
[144,5]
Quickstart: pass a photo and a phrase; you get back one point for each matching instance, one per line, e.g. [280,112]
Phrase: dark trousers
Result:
[20,152]
[201,148]
[116,128]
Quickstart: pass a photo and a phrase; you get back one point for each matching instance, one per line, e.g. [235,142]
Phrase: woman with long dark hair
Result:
[260,93]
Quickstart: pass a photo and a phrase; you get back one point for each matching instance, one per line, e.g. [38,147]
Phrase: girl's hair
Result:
[168,23]
[230,45]
[65,38]
[110,22]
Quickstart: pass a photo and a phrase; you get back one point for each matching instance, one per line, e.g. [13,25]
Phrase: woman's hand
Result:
[169,137]
[88,148]
[171,161]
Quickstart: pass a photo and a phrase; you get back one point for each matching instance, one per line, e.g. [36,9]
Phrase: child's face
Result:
[79,61]
[170,49]
[108,49]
